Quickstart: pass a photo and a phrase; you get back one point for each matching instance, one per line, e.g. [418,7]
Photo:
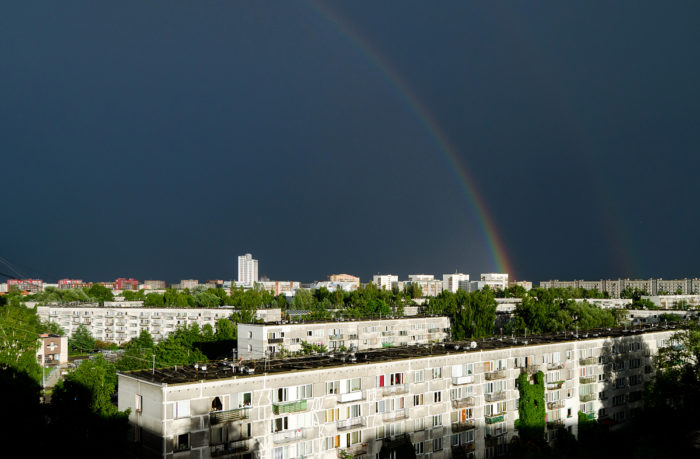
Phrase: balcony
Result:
[531,369]
[353,451]
[336,337]
[587,397]
[396,389]
[275,340]
[555,405]
[350,397]
[350,423]
[459,380]
[498,374]
[396,415]
[587,379]
[495,396]
[494,418]
[462,450]
[285,436]
[353,336]
[554,385]
[555,366]
[463,402]
[588,361]
[387,333]
[555,423]
[463,425]
[289,407]
[232,447]
[218,417]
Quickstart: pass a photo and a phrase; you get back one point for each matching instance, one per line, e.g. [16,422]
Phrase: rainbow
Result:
[423,115]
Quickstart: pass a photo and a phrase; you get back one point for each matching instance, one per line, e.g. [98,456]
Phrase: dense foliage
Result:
[531,407]
[472,314]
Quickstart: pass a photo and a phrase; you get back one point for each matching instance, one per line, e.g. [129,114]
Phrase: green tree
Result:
[99,377]
[224,330]
[19,330]
[81,341]
[100,293]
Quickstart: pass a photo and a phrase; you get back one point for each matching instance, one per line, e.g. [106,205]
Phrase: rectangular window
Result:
[418,400]
[437,444]
[437,373]
[182,409]
[437,420]
[138,403]
[181,442]
[418,376]
[418,448]
[418,424]
[437,397]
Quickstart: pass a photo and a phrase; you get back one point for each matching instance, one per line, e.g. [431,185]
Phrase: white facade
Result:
[675,301]
[257,340]
[443,402]
[122,324]
[453,282]
[287,288]
[346,286]
[247,270]
[384,281]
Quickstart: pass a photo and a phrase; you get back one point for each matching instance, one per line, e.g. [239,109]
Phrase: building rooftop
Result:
[228,369]
[340,321]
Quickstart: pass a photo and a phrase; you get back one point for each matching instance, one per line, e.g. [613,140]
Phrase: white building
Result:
[442,401]
[122,324]
[247,270]
[384,281]
[287,288]
[495,281]
[453,282]
[675,301]
[346,286]
[188,283]
[257,340]
[427,283]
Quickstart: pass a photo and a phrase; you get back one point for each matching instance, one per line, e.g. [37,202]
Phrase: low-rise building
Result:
[345,278]
[53,349]
[444,401]
[258,340]
[675,301]
[26,285]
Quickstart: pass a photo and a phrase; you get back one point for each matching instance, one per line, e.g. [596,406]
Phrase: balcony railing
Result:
[395,389]
[354,450]
[336,337]
[275,340]
[463,402]
[458,380]
[555,405]
[587,397]
[396,415]
[236,414]
[350,423]
[289,407]
[463,425]
[587,379]
[498,374]
[494,418]
[554,385]
[350,396]
[287,435]
[495,396]
[230,448]
[463,449]
[555,366]
[588,361]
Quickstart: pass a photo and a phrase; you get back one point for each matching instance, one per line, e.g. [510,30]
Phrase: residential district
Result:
[422,367]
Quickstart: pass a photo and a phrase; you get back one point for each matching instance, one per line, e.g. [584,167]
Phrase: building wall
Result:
[247,270]
[255,339]
[602,377]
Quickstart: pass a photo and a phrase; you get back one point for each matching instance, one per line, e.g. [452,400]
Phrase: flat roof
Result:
[248,368]
[345,320]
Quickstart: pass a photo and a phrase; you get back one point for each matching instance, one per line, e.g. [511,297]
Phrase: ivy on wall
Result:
[531,407]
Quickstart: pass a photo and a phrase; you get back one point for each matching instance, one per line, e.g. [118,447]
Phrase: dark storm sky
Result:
[161,140]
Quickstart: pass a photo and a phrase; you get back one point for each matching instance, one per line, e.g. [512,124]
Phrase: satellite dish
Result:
[473,345]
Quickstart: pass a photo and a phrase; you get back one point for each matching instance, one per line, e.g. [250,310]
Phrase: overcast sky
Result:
[159,140]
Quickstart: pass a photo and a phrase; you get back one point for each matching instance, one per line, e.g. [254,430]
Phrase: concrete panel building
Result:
[247,270]
[53,349]
[453,282]
[452,401]
[258,340]
[122,324]
[385,281]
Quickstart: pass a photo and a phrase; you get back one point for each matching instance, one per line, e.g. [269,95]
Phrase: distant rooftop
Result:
[227,369]
[345,320]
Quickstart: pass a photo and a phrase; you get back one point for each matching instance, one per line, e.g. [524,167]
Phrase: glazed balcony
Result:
[289,407]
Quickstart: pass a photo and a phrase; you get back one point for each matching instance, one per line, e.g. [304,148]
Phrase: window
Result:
[182,409]
[418,400]
[437,373]
[437,444]
[181,442]
[418,376]
[437,420]
[138,403]
[418,448]
[568,412]
[244,399]
[462,415]
[437,397]
[418,424]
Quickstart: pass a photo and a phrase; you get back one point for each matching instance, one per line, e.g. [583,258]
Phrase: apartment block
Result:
[258,340]
[345,278]
[675,301]
[456,400]
[71,283]
[385,281]
[26,285]
[614,287]
[453,282]
[122,324]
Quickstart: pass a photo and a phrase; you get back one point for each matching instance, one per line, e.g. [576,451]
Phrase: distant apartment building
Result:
[154,285]
[188,283]
[675,301]
[345,278]
[453,282]
[459,400]
[71,283]
[26,285]
[287,288]
[607,303]
[247,270]
[614,287]
[495,281]
[335,285]
[126,284]
[53,349]
[122,324]
[384,281]
[258,340]
[527,285]
[427,283]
